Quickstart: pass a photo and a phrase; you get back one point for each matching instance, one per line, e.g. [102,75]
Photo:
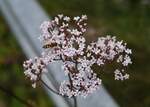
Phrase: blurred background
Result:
[126,19]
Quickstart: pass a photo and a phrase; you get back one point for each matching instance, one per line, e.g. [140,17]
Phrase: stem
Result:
[50,88]
[15,96]
[74,98]
[75,101]
[70,80]
[71,83]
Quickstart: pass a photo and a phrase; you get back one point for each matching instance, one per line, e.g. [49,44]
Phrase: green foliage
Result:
[12,77]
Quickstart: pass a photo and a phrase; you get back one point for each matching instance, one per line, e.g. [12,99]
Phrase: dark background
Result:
[126,19]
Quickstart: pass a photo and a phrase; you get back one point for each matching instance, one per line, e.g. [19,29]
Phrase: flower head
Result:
[61,41]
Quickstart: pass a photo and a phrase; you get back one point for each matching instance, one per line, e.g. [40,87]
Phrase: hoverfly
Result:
[46,46]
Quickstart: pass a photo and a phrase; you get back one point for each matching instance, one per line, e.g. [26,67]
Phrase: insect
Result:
[49,45]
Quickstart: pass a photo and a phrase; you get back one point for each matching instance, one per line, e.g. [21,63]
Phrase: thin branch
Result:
[70,80]
[74,98]
[71,83]
[8,92]
[50,88]
[75,101]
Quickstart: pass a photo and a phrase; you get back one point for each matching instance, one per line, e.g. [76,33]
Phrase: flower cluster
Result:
[63,40]
[34,69]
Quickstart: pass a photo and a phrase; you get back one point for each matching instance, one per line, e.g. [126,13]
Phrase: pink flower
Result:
[63,42]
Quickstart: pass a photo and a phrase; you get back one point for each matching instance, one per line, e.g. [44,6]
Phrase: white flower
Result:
[76,18]
[120,59]
[127,60]
[60,16]
[84,17]
[128,51]
[69,52]
[62,42]
[44,28]
[34,85]
[119,75]
[66,18]
[75,32]
[100,62]
[33,69]
[56,20]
